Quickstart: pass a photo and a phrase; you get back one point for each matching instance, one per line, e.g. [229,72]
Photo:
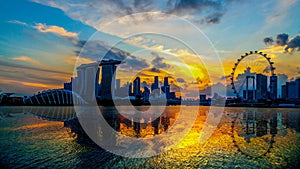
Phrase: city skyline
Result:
[149,84]
[40,63]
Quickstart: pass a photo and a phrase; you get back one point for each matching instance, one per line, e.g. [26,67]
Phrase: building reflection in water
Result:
[253,123]
[143,124]
[257,124]
[139,125]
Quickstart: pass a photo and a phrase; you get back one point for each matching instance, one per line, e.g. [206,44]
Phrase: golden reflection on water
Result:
[40,125]
[231,138]
[227,146]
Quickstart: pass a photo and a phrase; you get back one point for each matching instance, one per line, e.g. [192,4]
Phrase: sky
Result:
[195,42]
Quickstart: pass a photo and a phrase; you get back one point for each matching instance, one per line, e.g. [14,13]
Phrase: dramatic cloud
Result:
[98,50]
[268,40]
[158,62]
[134,63]
[209,11]
[282,39]
[293,44]
[55,29]
[214,9]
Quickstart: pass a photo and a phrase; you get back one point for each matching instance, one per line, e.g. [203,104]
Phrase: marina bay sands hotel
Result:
[87,83]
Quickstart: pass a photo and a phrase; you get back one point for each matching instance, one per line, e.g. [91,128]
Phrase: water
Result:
[47,137]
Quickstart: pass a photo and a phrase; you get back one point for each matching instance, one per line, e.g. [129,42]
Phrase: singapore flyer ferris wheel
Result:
[253,85]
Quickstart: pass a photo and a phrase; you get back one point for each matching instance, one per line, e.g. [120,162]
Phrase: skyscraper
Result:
[91,80]
[166,81]
[166,87]
[146,94]
[107,81]
[156,80]
[130,89]
[136,86]
[154,87]
[283,92]
[291,90]
[86,83]
[273,87]
[261,86]
[154,84]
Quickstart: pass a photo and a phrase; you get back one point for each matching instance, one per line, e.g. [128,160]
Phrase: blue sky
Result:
[40,38]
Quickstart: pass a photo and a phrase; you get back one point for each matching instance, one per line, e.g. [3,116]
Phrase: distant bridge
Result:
[55,97]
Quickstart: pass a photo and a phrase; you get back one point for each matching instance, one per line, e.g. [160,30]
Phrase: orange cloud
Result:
[27,59]
[40,85]
[55,29]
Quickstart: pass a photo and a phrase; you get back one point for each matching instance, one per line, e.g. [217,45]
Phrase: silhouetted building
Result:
[202,97]
[130,89]
[146,94]
[107,81]
[68,85]
[168,93]
[154,87]
[92,77]
[249,94]
[261,86]
[166,88]
[155,83]
[137,86]
[166,81]
[86,83]
[203,100]
[291,90]
[171,95]
[273,87]
[283,92]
